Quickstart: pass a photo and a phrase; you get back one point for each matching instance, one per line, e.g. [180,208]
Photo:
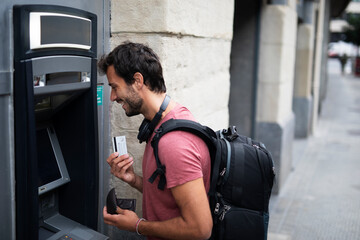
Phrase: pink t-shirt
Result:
[186,158]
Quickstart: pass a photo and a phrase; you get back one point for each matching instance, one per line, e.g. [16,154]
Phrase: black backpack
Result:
[242,176]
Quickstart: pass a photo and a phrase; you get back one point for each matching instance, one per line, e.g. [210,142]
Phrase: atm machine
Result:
[55,111]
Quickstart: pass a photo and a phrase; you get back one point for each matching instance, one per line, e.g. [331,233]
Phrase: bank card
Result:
[119,145]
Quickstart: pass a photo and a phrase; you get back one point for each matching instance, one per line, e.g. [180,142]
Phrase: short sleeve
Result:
[181,154]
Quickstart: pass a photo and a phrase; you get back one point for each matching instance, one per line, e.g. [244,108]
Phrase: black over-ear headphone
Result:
[147,127]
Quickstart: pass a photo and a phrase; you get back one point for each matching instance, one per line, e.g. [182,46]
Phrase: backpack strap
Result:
[215,166]
[263,177]
[205,133]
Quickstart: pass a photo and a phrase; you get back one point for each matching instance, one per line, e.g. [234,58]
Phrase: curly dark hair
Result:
[129,58]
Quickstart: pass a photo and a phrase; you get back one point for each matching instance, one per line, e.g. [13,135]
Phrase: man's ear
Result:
[139,80]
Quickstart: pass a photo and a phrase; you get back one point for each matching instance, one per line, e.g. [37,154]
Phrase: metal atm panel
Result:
[56,135]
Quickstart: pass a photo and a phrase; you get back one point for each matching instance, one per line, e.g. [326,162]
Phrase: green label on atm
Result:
[99,95]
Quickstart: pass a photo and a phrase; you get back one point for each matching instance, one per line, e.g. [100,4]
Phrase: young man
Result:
[181,210]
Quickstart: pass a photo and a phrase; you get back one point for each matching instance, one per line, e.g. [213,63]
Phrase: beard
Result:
[132,103]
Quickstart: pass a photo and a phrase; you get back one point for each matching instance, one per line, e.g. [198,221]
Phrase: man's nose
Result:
[112,95]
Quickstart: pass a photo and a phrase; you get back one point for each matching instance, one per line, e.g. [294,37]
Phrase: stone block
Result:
[276,63]
[305,36]
[201,18]
[303,73]
[138,16]
[274,101]
[177,17]
[302,108]
[304,61]
[293,4]
[278,25]
[197,73]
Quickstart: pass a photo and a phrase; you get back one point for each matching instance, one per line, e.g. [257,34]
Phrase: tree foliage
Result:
[352,33]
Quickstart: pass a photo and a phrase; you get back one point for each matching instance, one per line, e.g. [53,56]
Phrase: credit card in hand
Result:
[119,145]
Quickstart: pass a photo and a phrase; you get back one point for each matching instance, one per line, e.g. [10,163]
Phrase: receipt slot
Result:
[55,111]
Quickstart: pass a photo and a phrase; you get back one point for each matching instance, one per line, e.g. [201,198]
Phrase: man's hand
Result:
[124,219]
[122,167]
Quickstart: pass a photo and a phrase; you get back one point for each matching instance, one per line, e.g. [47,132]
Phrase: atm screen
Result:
[70,30]
[47,164]
[59,30]
[52,171]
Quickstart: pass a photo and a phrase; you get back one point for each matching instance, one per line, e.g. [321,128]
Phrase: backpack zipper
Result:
[224,211]
[217,208]
[228,159]
[223,172]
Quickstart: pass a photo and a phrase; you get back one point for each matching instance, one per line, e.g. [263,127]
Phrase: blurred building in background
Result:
[344,39]
[338,22]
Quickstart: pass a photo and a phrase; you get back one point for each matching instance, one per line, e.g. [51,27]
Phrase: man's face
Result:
[124,94]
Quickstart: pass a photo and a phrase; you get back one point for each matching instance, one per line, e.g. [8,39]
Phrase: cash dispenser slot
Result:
[61,74]
[57,81]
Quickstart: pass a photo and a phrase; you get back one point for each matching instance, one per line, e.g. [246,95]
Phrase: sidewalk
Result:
[321,198]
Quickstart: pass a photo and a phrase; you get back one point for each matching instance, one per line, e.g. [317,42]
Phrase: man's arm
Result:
[195,221]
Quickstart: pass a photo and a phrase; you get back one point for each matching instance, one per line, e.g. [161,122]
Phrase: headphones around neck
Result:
[147,127]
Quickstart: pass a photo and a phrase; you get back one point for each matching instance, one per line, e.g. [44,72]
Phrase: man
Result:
[181,210]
